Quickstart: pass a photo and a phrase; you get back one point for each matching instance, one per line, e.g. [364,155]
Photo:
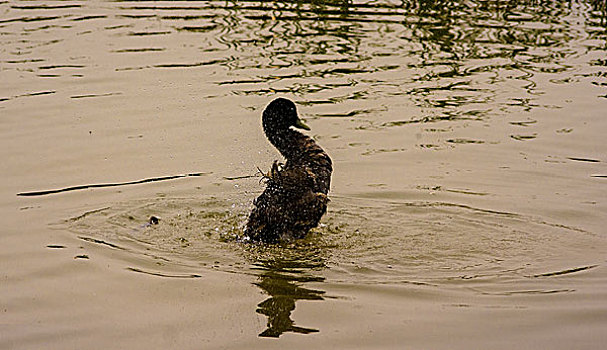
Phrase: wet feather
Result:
[295,197]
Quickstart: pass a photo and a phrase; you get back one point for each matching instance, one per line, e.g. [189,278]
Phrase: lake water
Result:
[468,198]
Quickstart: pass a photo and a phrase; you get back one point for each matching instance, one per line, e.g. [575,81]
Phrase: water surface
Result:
[468,199]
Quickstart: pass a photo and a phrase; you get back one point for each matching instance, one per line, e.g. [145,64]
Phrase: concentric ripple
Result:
[359,241]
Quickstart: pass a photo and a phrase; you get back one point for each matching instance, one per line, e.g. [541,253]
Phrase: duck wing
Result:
[288,207]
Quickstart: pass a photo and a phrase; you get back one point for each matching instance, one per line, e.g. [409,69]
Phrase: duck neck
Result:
[301,150]
[288,142]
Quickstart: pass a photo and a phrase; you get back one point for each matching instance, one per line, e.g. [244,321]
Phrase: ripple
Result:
[161,274]
[198,29]
[359,241]
[61,66]
[27,19]
[45,7]
[462,141]
[143,49]
[29,94]
[148,33]
[96,95]
[564,272]
[88,18]
[588,160]
[523,137]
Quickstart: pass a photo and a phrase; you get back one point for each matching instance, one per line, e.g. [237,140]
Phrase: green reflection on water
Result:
[456,60]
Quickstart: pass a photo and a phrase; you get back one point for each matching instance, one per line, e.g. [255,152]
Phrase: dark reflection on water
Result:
[282,273]
[456,61]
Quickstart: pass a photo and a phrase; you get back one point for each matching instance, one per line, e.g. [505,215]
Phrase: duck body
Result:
[295,197]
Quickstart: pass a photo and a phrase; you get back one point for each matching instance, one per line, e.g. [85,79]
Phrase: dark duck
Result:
[295,197]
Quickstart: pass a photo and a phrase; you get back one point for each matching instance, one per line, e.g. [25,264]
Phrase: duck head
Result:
[281,114]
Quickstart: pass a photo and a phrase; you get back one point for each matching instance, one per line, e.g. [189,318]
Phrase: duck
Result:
[296,193]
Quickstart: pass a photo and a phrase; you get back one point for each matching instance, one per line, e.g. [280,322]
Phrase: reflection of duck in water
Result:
[283,275]
[284,290]
[296,194]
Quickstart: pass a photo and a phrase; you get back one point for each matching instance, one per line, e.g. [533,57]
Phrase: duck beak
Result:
[301,125]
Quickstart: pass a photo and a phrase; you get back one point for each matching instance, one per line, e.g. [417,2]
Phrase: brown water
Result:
[469,193]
